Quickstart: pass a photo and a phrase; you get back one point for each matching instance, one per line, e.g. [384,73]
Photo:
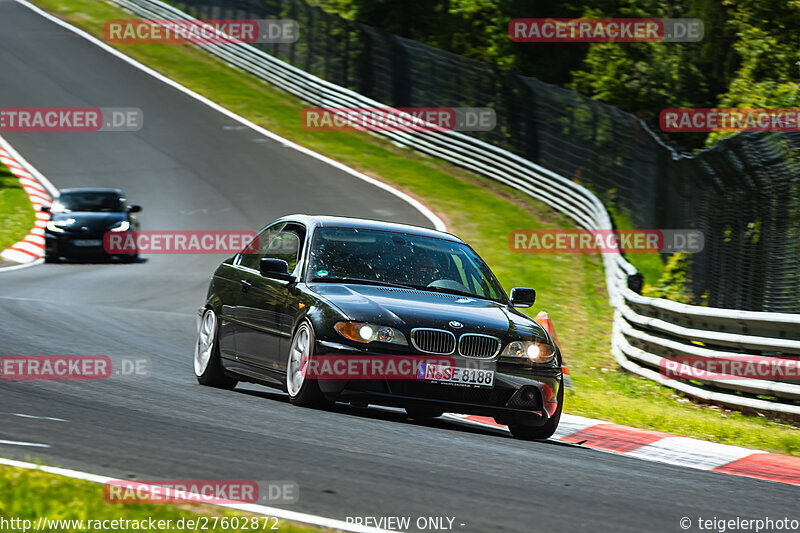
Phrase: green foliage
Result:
[768,75]
[477,29]
[748,56]
[644,77]
[674,283]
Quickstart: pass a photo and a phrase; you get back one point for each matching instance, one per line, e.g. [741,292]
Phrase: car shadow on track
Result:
[396,415]
[98,261]
[266,393]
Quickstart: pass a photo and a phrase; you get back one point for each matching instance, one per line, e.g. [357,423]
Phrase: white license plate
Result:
[451,375]
[87,242]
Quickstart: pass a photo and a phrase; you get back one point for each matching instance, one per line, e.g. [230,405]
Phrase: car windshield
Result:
[88,201]
[402,259]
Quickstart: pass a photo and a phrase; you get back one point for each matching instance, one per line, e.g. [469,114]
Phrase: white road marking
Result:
[21,415]
[694,453]
[572,424]
[24,265]
[18,443]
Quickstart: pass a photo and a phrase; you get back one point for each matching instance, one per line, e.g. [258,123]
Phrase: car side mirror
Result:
[45,208]
[134,209]
[275,268]
[522,297]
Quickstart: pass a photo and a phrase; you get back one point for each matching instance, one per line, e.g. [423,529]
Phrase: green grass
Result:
[571,286]
[648,264]
[30,494]
[16,212]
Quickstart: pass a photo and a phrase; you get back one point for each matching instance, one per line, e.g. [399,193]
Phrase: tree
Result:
[768,75]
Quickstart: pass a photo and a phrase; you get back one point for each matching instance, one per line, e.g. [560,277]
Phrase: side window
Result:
[259,247]
[287,245]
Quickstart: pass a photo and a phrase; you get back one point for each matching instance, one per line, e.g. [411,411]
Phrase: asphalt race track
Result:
[194,168]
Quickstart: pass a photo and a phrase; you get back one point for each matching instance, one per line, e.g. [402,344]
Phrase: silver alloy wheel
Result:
[206,337]
[298,358]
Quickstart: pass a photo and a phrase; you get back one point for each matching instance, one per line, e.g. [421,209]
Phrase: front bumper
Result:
[521,393]
[63,245]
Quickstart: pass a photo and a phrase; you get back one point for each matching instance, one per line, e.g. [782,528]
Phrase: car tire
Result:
[50,259]
[128,258]
[303,391]
[543,432]
[424,413]
[207,360]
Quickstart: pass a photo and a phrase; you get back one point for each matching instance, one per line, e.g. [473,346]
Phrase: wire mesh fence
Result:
[744,194]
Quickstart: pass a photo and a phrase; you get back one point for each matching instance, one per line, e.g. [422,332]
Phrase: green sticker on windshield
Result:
[322,273]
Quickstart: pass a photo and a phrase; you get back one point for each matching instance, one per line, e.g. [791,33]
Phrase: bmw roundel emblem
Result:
[455,324]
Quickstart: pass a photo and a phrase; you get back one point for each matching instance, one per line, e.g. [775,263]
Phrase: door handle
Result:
[245,285]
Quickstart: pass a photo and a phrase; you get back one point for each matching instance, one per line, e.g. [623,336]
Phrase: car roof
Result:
[90,190]
[327,221]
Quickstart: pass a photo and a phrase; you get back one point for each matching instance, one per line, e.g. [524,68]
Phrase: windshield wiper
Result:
[362,282]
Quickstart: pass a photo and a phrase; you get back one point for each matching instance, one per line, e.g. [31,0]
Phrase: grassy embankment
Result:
[27,494]
[16,211]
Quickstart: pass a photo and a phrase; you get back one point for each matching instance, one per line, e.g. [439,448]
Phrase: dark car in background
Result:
[310,287]
[79,218]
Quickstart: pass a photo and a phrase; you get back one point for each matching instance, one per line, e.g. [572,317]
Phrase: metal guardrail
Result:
[647,331]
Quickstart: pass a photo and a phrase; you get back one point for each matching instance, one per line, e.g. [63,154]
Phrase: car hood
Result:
[86,221]
[408,308]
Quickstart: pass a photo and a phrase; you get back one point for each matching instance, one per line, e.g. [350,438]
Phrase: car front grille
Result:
[435,341]
[478,346]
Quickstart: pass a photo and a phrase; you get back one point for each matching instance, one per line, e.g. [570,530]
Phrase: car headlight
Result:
[365,332]
[51,226]
[123,225]
[538,352]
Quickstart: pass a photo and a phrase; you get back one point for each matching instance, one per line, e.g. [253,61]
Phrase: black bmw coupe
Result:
[330,309]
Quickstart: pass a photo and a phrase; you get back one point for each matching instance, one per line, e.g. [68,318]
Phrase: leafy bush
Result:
[675,282]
